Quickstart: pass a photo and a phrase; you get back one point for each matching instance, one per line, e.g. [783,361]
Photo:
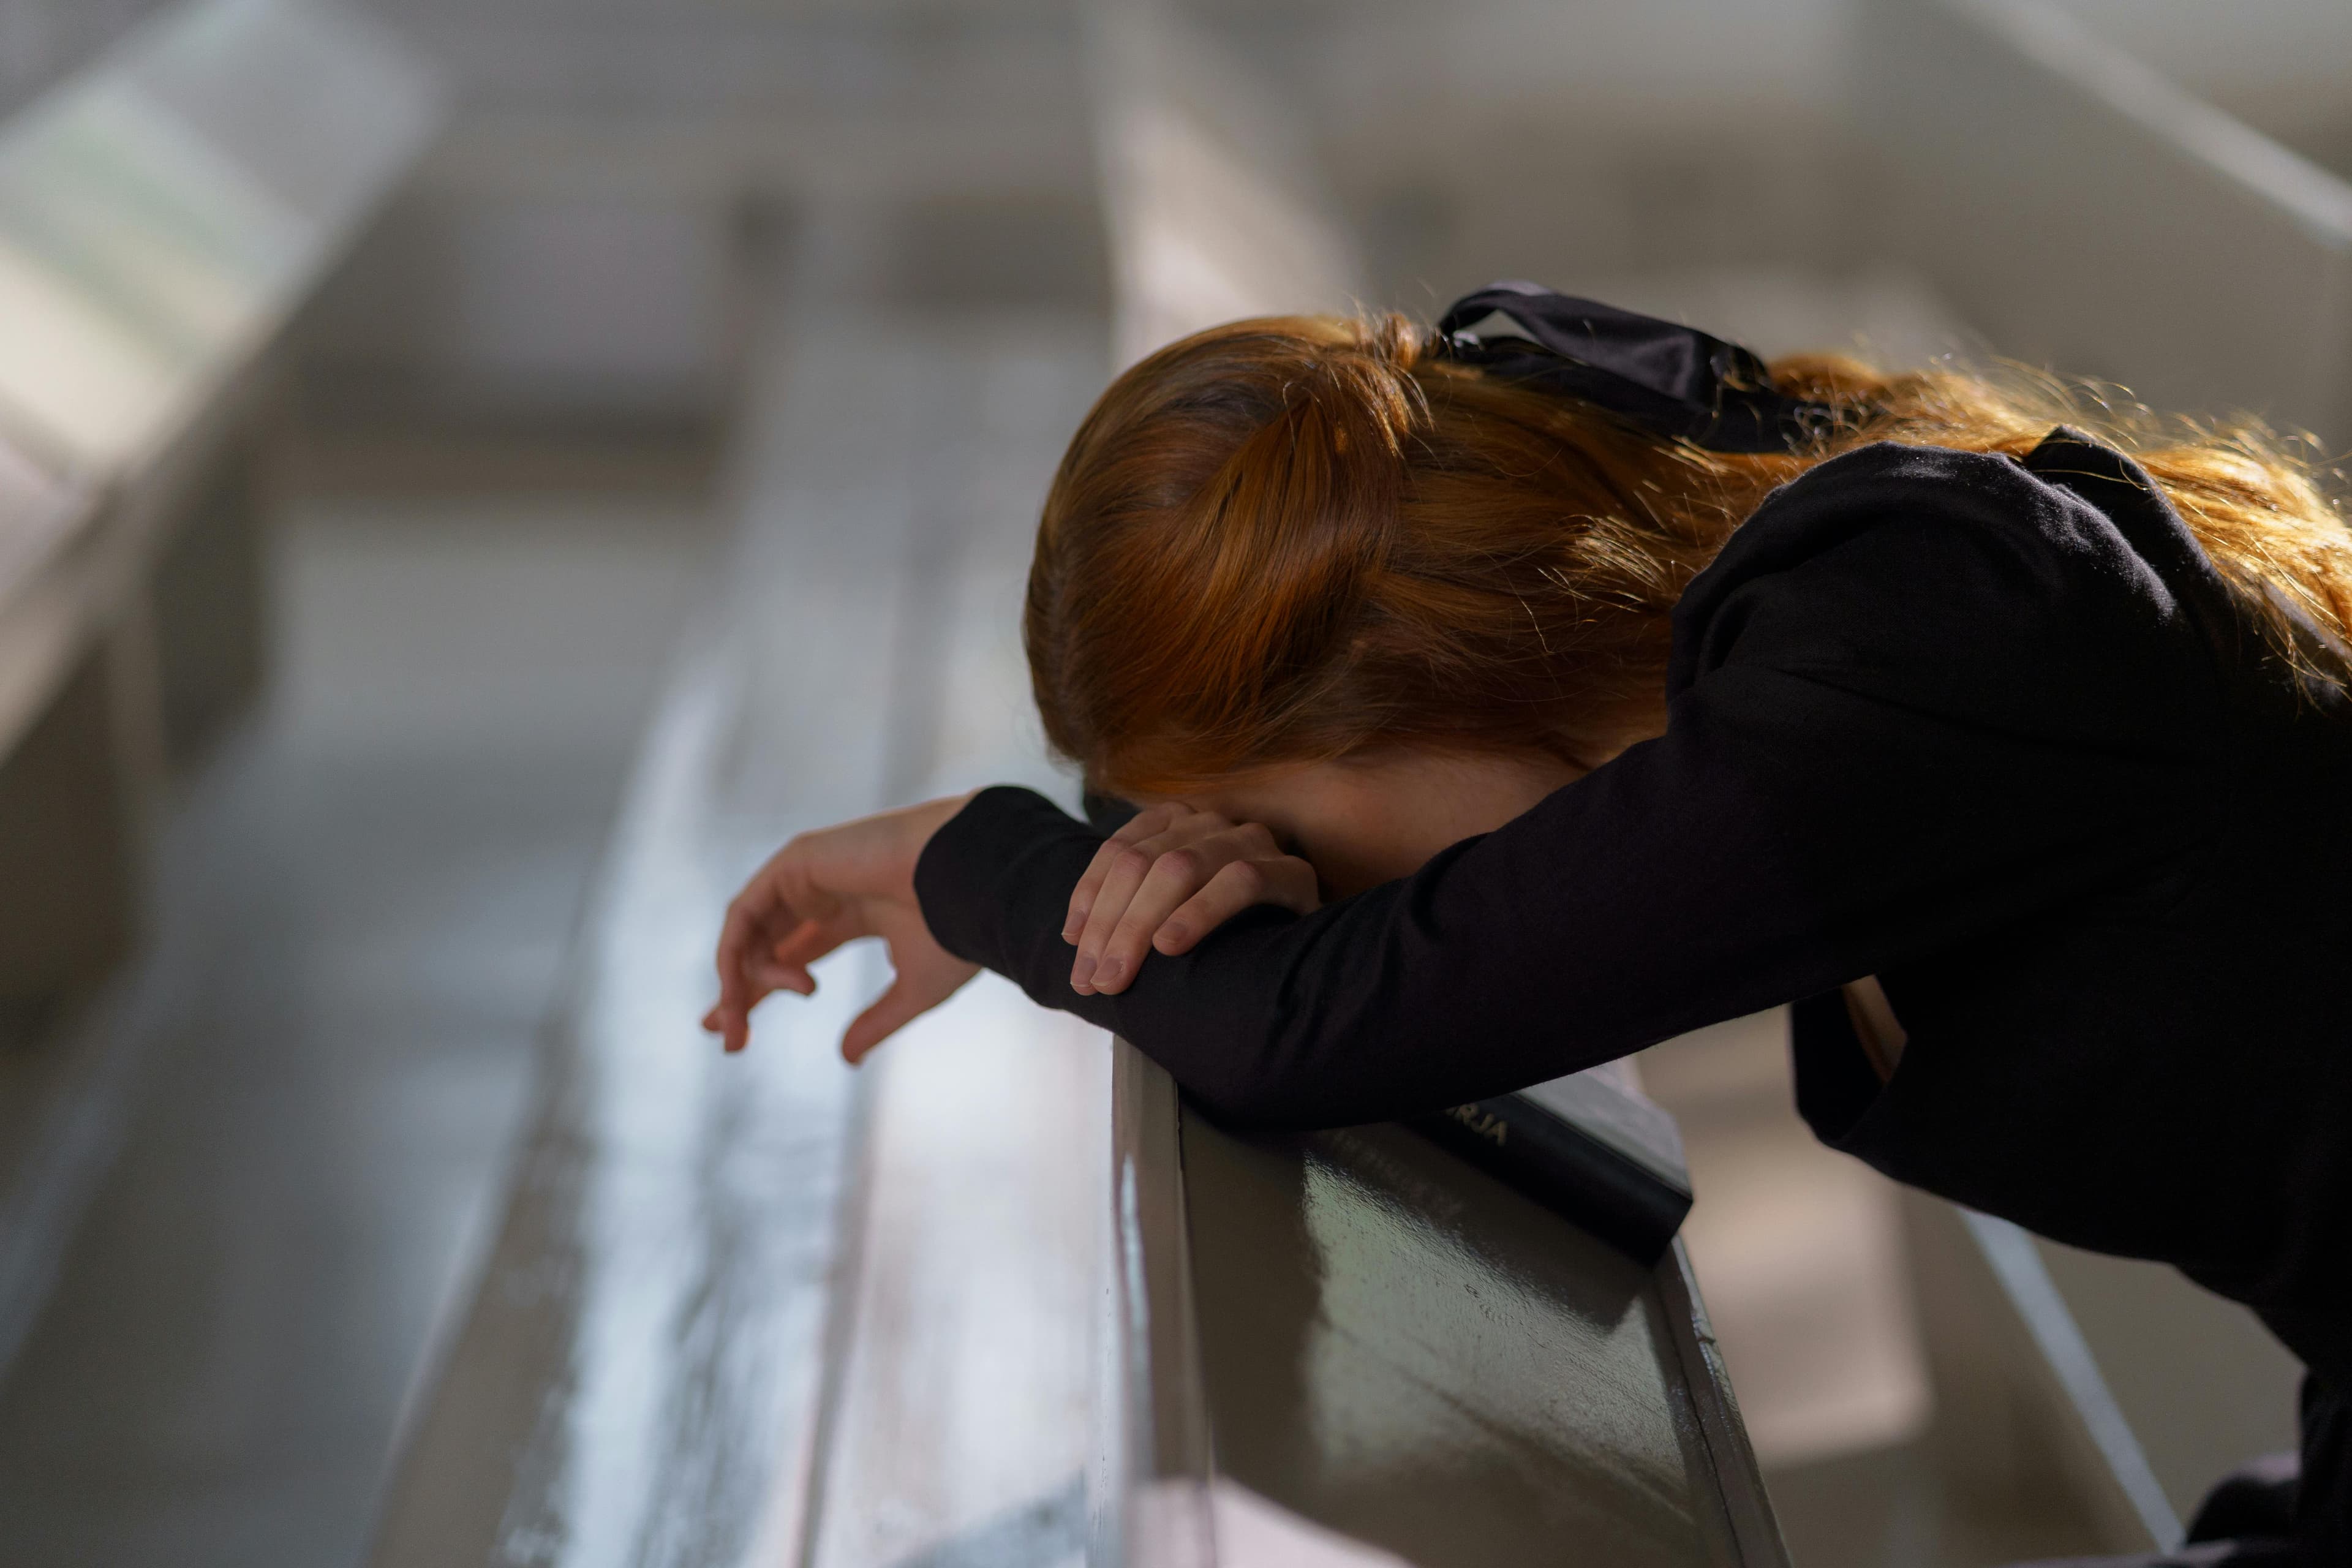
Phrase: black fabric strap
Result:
[1671,379]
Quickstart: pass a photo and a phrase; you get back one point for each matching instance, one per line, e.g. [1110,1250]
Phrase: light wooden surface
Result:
[763,1309]
[164,213]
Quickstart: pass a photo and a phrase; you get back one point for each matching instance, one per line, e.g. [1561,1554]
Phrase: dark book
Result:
[1585,1146]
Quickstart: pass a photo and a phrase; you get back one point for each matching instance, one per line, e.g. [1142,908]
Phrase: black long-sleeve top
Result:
[1990,730]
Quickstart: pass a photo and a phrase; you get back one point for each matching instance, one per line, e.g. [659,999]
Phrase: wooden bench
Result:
[1350,1338]
[763,1309]
[164,217]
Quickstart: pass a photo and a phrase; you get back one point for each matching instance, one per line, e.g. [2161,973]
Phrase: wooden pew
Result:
[164,217]
[58,754]
[1350,1342]
[763,1309]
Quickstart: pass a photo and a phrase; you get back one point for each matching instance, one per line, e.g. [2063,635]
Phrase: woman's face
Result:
[1370,820]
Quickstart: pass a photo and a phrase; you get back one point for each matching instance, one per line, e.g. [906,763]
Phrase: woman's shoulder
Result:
[2071,501]
[1979,580]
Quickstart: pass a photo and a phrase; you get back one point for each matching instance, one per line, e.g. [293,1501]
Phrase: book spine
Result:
[1560,1167]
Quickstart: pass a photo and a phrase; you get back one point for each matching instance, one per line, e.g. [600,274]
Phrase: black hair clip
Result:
[1673,380]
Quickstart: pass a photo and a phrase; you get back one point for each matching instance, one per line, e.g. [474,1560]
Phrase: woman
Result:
[1506,701]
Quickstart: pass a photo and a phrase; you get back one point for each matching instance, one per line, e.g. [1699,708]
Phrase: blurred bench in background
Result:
[760,1309]
[2085,213]
[163,217]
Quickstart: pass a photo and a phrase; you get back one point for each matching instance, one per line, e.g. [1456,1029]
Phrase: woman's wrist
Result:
[981,868]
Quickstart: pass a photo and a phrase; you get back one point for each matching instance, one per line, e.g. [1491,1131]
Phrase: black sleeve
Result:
[1917,698]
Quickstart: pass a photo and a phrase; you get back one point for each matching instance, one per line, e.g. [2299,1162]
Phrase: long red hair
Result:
[1299,539]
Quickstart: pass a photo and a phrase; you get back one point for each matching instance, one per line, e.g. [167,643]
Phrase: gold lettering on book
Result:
[1485,1124]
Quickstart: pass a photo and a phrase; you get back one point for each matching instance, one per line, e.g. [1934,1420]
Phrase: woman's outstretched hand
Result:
[825,888]
[1168,879]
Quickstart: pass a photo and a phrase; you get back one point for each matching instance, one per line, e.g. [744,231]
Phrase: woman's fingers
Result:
[1175,877]
[1244,866]
[1148,823]
[808,942]
[776,907]
[923,976]
[1287,881]
[892,1011]
[820,891]
[1130,865]
[775,962]
[740,937]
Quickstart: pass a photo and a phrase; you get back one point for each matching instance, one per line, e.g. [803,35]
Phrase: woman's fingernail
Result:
[1169,936]
[1081,972]
[1112,972]
[1073,927]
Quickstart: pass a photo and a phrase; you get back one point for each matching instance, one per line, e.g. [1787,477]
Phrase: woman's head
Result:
[1299,541]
